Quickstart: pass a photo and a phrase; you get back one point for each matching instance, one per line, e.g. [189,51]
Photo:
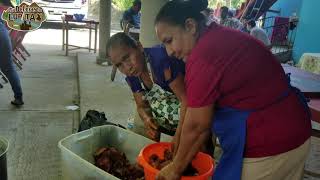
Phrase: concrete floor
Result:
[52,81]
[100,93]
[49,84]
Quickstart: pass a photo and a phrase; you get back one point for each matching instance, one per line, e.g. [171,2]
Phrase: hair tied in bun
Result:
[199,5]
[177,11]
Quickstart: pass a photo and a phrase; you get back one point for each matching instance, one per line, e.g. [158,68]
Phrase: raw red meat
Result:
[156,162]
[115,162]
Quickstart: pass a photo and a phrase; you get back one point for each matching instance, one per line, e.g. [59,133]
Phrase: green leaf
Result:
[122,4]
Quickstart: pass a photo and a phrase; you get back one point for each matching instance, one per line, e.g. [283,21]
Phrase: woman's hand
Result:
[151,129]
[145,113]
[169,172]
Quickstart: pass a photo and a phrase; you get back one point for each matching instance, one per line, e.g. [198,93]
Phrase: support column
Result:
[104,29]
[149,11]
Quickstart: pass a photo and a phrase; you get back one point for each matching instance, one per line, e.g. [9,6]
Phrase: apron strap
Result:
[230,127]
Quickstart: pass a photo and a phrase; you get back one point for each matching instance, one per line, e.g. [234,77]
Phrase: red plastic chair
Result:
[19,51]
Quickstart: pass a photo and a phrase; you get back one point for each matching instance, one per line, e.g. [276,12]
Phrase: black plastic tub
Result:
[4,145]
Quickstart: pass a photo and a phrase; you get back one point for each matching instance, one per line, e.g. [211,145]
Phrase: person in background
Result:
[258,33]
[231,13]
[132,15]
[237,89]
[6,62]
[227,19]
[209,14]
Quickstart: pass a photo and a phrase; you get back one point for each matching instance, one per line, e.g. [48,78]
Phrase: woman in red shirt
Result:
[237,89]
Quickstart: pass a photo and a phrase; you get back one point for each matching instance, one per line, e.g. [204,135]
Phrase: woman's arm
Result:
[146,116]
[178,88]
[195,130]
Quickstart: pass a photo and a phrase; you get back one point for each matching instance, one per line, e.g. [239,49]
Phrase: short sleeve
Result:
[160,61]
[136,20]
[134,83]
[254,33]
[176,67]
[202,82]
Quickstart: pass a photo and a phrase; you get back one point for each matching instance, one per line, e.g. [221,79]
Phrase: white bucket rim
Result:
[5,142]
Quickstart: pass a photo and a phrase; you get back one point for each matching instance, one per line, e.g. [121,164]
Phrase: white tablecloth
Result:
[310,62]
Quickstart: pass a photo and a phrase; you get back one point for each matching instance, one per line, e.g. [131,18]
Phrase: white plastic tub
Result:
[4,146]
[77,150]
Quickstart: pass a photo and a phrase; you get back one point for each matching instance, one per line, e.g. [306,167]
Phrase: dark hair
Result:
[121,39]
[6,3]
[136,3]
[178,11]
[224,9]
[252,23]
[208,10]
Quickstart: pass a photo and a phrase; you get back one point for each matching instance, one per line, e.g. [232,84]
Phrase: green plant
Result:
[122,4]
[237,3]
[234,3]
